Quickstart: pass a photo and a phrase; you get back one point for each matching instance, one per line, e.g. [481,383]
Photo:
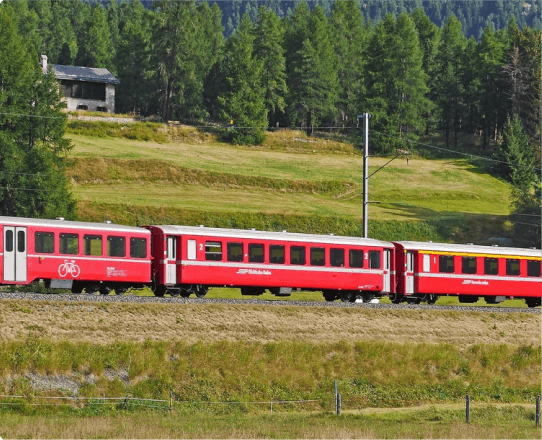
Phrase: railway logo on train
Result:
[186,260]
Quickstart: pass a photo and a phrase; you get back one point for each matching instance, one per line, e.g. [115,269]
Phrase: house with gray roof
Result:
[85,88]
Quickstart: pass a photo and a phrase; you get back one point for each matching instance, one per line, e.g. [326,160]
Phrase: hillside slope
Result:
[192,180]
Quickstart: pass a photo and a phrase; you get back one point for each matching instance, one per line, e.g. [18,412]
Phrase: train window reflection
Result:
[355,258]
[446,263]
[276,254]
[255,253]
[491,266]
[297,255]
[336,257]
[512,267]
[533,268]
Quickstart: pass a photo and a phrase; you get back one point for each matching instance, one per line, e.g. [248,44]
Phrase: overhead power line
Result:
[474,156]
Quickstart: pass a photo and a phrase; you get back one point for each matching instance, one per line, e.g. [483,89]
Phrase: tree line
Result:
[474,15]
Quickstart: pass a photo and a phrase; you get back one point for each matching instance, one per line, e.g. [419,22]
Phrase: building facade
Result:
[85,88]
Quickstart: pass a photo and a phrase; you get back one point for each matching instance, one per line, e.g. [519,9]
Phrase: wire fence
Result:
[169,405]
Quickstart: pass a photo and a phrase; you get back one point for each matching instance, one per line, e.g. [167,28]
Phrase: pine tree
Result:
[349,39]
[32,147]
[242,101]
[448,83]
[517,157]
[95,47]
[134,94]
[268,47]
[492,93]
[396,84]
[313,75]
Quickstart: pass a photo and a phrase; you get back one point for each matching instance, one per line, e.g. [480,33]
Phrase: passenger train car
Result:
[183,260]
[192,259]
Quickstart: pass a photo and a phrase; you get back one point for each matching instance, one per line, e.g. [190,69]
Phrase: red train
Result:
[182,260]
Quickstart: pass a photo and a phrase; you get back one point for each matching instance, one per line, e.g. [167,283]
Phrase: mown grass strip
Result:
[439,229]
[487,422]
[105,171]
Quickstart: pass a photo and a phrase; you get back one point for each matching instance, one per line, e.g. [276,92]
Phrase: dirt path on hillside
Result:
[106,322]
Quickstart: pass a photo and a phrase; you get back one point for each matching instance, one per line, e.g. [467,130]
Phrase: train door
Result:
[15,253]
[387,263]
[409,274]
[171,260]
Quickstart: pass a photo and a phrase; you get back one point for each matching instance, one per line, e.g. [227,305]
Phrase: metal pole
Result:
[366,177]
[468,408]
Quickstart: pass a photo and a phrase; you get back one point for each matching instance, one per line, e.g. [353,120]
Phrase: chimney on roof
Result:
[44,63]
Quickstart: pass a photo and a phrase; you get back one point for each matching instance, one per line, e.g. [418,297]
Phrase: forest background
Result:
[417,67]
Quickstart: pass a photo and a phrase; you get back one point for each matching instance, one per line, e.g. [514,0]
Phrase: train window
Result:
[116,246]
[138,247]
[355,258]
[276,254]
[468,264]
[9,241]
[69,244]
[491,266]
[21,242]
[336,257]
[512,267]
[318,256]
[235,251]
[374,259]
[213,250]
[255,253]
[446,263]
[533,268]
[297,255]
[45,242]
[93,245]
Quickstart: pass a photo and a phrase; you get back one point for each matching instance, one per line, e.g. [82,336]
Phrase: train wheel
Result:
[431,298]
[174,293]
[77,287]
[160,290]
[414,300]
[396,298]
[329,295]
[532,302]
[104,289]
[347,296]
[201,291]
[120,290]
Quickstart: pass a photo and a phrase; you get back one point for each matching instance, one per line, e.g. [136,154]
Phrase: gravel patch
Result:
[78,298]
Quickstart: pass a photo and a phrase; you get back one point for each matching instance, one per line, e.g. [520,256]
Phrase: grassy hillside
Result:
[180,175]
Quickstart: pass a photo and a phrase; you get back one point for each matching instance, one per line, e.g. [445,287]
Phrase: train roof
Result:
[67,224]
[468,248]
[266,235]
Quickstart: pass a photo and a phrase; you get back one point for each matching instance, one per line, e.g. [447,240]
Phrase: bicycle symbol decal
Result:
[69,267]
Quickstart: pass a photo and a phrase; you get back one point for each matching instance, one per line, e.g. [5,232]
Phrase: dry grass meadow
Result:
[104,323]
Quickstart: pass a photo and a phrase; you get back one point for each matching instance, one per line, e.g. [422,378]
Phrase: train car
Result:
[427,270]
[74,255]
[189,260]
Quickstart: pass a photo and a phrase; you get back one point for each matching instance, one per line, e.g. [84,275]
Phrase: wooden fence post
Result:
[170,401]
[467,399]
[537,416]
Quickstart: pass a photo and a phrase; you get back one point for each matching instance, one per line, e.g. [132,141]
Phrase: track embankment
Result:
[104,322]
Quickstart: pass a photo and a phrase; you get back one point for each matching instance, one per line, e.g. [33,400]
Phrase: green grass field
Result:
[284,177]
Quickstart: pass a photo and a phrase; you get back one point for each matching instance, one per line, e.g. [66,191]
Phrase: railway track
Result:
[30,296]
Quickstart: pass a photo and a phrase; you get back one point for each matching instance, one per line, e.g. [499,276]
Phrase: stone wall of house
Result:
[92,105]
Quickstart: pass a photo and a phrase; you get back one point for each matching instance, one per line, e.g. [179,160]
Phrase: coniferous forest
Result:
[466,67]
